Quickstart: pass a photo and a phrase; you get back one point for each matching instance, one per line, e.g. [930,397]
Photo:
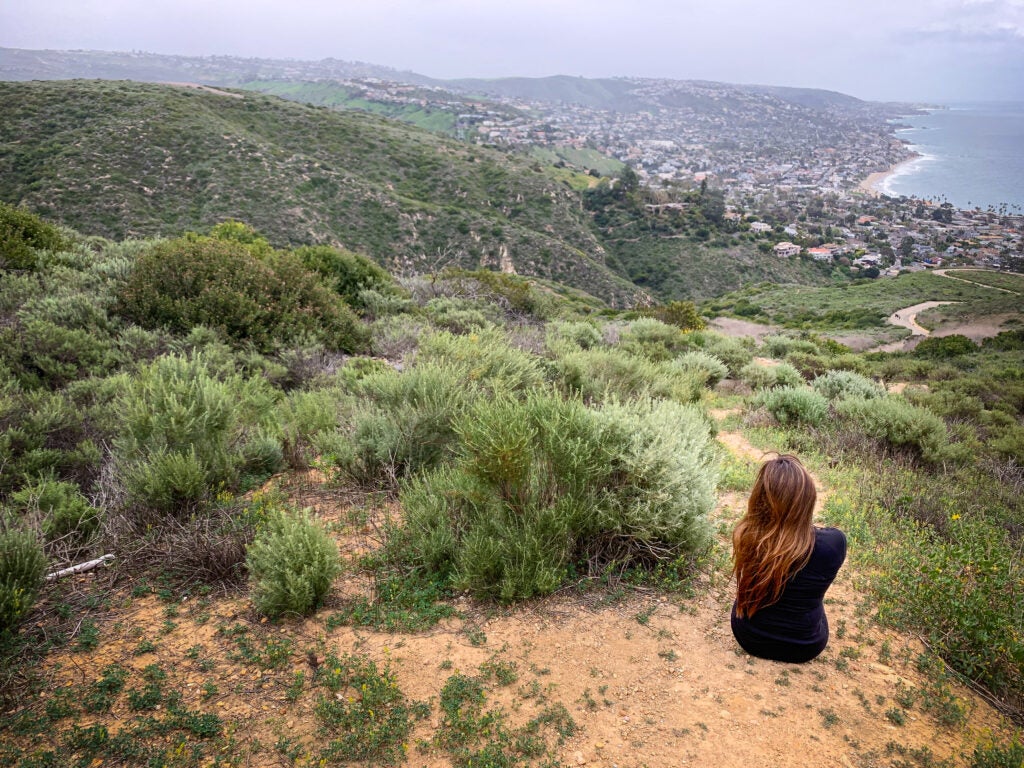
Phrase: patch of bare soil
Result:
[651,679]
[730,326]
[208,89]
[981,328]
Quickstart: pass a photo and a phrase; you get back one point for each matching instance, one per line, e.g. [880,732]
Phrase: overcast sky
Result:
[938,50]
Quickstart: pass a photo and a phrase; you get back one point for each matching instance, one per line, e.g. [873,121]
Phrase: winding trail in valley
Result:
[907,317]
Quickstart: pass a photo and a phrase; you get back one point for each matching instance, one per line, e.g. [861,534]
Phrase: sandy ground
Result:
[651,679]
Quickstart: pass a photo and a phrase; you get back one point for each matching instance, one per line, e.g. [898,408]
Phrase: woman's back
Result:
[794,628]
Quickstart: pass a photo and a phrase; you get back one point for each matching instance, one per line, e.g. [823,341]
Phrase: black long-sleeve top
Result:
[794,628]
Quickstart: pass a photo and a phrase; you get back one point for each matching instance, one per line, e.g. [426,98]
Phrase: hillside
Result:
[466,520]
[125,159]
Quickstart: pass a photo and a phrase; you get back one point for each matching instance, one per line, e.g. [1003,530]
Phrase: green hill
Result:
[123,159]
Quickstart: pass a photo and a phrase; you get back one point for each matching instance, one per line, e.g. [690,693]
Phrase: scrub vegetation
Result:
[498,440]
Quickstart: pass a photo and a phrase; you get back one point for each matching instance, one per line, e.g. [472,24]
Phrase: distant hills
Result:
[129,159]
[619,94]
[126,159]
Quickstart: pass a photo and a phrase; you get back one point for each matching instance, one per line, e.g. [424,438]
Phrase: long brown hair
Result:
[775,538]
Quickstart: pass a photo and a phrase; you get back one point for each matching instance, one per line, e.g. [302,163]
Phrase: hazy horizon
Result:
[942,51]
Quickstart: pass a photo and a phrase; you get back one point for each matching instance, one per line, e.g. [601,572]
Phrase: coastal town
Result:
[801,177]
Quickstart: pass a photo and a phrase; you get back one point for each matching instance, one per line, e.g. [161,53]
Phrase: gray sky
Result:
[939,50]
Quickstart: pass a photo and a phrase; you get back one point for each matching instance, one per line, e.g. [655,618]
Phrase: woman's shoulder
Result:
[830,539]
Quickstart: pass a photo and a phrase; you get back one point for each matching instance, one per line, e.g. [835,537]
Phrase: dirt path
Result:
[208,89]
[945,273]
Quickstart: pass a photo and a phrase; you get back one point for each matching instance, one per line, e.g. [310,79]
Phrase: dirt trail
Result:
[652,680]
[207,89]
[945,273]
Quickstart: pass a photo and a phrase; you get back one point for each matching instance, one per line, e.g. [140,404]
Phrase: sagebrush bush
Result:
[547,484]
[794,405]
[220,284]
[262,455]
[292,563]
[61,506]
[579,333]
[22,567]
[704,362]
[485,359]
[399,424]
[778,347]
[731,351]
[457,315]
[898,423]
[304,415]
[838,384]
[653,339]
[179,441]
[596,374]
[759,376]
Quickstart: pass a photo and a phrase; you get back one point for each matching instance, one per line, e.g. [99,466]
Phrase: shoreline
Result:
[871,184]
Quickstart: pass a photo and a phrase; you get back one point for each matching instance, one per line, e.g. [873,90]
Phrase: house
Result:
[760,227]
[820,254]
[786,248]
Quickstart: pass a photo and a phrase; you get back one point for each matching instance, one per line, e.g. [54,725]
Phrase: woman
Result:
[783,566]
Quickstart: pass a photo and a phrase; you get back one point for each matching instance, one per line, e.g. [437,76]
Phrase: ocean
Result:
[972,155]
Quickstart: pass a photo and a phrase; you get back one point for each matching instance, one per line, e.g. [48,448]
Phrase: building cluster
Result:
[789,170]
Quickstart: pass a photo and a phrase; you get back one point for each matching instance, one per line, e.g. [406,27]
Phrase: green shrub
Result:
[375,304]
[653,339]
[400,424]
[579,333]
[809,365]
[22,566]
[292,563]
[705,363]
[759,376]
[779,347]
[596,374]
[262,456]
[839,384]
[731,351]
[179,441]
[349,274]
[542,485]
[898,423]
[22,234]
[203,281]
[941,347]
[302,416]
[999,756]
[485,359]
[515,295]
[681,314]
[794,405]
[456,315]
[61,505]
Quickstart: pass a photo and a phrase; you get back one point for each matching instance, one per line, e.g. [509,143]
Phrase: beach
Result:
[874,181]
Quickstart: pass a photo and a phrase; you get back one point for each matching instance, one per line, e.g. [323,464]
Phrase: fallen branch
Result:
[80,568]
